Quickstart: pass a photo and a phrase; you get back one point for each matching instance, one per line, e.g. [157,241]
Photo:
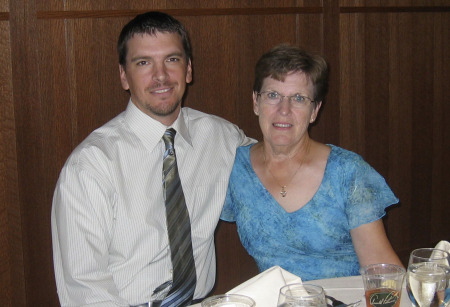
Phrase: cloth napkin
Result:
[445,246]
[265,287]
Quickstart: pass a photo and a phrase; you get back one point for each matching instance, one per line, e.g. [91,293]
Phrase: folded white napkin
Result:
[445,246]
[265,287]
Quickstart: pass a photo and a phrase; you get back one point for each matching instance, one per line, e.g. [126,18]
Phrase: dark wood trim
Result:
[4,15]
[394,9]
[180,12]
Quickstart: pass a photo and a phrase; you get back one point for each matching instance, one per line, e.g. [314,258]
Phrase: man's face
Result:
[156,74]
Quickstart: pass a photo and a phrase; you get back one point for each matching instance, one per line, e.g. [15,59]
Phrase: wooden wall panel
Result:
[4,7]
[60,80]
[56,141]
[326,128]
[191,5]
[400,124]
[440,198]
[5,138]
[389,78]
[352,70]
[11,260]
[223,82]
[97,93]
[34,185]
[421,100]
[12,275]
[421,5]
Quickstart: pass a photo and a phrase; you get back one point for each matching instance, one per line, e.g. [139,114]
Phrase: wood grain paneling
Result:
[4,7]
[387,101]
[400,123]
[11,274]
[34,187]
[225,81]
[12,281]
[389,78]
[440,184]
[191,5]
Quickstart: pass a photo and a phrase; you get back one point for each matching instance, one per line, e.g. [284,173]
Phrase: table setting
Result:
[424,283]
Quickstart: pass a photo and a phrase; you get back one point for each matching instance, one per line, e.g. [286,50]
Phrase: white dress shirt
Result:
[110,242]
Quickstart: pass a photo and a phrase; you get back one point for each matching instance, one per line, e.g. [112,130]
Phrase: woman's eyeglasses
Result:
[274,98]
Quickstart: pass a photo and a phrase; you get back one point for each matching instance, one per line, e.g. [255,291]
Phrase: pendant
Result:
[283,191]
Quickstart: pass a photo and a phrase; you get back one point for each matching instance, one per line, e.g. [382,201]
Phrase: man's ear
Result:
[189,72]
[123,78]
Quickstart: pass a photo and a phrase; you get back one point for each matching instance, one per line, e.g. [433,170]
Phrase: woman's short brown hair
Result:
[284,59]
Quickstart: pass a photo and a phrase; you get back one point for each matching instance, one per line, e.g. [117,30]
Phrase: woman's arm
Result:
[372,245]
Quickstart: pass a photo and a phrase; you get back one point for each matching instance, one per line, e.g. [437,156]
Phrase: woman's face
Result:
[283,124]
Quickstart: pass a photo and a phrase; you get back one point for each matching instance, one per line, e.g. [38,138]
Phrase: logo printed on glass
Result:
[383,298]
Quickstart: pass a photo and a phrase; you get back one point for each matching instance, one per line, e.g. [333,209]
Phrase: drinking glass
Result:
[301,295]
[428,277]
[383,284]
[228,300]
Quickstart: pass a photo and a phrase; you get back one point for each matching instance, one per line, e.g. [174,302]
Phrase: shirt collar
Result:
[149,130]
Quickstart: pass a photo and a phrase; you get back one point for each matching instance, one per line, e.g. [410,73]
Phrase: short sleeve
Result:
[228,208]
[368,194]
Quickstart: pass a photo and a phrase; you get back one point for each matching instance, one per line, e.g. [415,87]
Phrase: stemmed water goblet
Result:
[428,275]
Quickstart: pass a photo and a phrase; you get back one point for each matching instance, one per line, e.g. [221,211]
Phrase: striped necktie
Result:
[179,230]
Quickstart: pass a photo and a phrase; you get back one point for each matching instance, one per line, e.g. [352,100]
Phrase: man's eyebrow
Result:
[140,58]
[180,54]
[146,58]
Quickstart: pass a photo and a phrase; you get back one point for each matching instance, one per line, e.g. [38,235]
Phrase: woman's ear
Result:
[255,104]
[315,112]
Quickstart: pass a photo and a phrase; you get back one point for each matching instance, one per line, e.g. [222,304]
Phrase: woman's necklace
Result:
[283,191]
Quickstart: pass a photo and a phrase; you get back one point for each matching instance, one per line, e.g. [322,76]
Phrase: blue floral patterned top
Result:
[313,242]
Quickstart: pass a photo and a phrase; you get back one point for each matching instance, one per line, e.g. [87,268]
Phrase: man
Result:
[110,232]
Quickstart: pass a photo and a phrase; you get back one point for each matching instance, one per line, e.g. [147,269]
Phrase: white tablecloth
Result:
[349,289]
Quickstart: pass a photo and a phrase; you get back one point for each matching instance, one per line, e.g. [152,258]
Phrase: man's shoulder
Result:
[203,126]
[201,122]
[193,115]
[102,137]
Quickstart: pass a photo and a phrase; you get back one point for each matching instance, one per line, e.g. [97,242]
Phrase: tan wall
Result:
[59,80]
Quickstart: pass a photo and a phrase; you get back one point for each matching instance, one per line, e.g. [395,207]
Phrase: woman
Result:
[313,209]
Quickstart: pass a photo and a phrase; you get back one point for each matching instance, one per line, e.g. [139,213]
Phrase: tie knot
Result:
[169,135]
[168,139]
